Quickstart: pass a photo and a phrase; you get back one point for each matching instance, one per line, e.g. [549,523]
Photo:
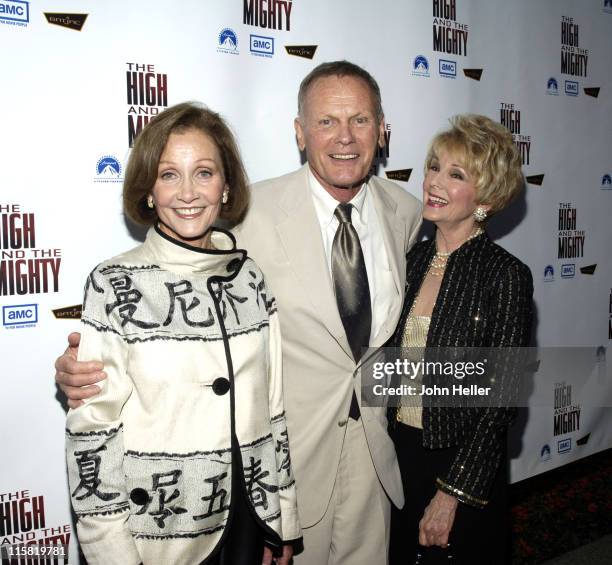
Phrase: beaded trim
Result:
[437,266]
[460,494]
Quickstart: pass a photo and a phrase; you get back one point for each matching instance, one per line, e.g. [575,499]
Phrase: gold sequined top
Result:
[410,411]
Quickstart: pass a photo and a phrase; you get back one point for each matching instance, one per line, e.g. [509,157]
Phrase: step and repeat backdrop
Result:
[81,79]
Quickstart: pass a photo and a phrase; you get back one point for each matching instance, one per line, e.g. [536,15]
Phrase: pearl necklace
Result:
[440,259]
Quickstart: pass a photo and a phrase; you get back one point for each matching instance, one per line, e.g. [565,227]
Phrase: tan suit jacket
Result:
[282,233]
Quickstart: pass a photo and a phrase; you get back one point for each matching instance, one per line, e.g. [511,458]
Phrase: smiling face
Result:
[189,187]
[340,132]
[449,194]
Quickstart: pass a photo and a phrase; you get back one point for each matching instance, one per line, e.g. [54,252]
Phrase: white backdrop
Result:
[64,116]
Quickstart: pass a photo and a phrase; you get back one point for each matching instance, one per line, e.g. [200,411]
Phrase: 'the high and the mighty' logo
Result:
[268,14]
[147,92]
[449,35]
[574,59]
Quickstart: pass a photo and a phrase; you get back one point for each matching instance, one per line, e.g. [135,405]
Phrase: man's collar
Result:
[326,204]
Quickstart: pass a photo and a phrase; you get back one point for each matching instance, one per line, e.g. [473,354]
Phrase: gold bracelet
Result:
[461,494]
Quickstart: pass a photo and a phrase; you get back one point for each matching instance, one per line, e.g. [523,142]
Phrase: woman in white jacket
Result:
[184,456]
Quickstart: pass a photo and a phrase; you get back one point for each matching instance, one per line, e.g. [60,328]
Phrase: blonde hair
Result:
[488,153]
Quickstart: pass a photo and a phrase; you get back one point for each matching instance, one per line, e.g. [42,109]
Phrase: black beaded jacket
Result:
[485,300]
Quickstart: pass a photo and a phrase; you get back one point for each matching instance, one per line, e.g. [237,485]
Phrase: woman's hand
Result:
[437,521]
[269,559]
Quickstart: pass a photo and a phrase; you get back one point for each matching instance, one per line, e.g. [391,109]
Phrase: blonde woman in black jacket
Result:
[462,290]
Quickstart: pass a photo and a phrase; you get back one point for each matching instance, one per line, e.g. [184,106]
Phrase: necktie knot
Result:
[343,212]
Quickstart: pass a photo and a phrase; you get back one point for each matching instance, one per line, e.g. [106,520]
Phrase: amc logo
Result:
[22,314]
[261,44]
[564,445]
[568,270]
[15,10]
[571,88]
[447,68]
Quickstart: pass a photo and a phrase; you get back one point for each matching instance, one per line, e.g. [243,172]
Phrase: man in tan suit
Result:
[344,462]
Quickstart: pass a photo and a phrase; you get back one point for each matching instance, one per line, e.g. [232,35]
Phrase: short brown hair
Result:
[340,69]
[142,169]
[488,153]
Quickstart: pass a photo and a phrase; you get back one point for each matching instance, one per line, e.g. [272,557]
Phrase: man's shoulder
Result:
[404,200]
[270,188]
[269,196]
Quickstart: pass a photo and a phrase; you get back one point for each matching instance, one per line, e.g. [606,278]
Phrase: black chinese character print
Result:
[88,462]
[282,447]
[127,299]
[226,297]
[177,291]
[217,497]
[256,487]
[259,288]
[164,510]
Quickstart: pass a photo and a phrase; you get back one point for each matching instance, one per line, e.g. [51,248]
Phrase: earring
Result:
[480,214]
[225,196]
[150,202]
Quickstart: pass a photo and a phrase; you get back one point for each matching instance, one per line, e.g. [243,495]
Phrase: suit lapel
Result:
[300,234]
[395,238]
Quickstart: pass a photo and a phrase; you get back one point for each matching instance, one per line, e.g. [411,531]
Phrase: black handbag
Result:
[434,555]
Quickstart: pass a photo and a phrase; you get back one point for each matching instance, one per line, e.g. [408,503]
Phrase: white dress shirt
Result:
[367,226]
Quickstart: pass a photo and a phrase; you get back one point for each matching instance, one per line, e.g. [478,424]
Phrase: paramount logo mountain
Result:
[228,43]
[108,169]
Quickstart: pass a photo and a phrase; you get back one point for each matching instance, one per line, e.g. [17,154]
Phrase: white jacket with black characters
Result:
[190,341]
